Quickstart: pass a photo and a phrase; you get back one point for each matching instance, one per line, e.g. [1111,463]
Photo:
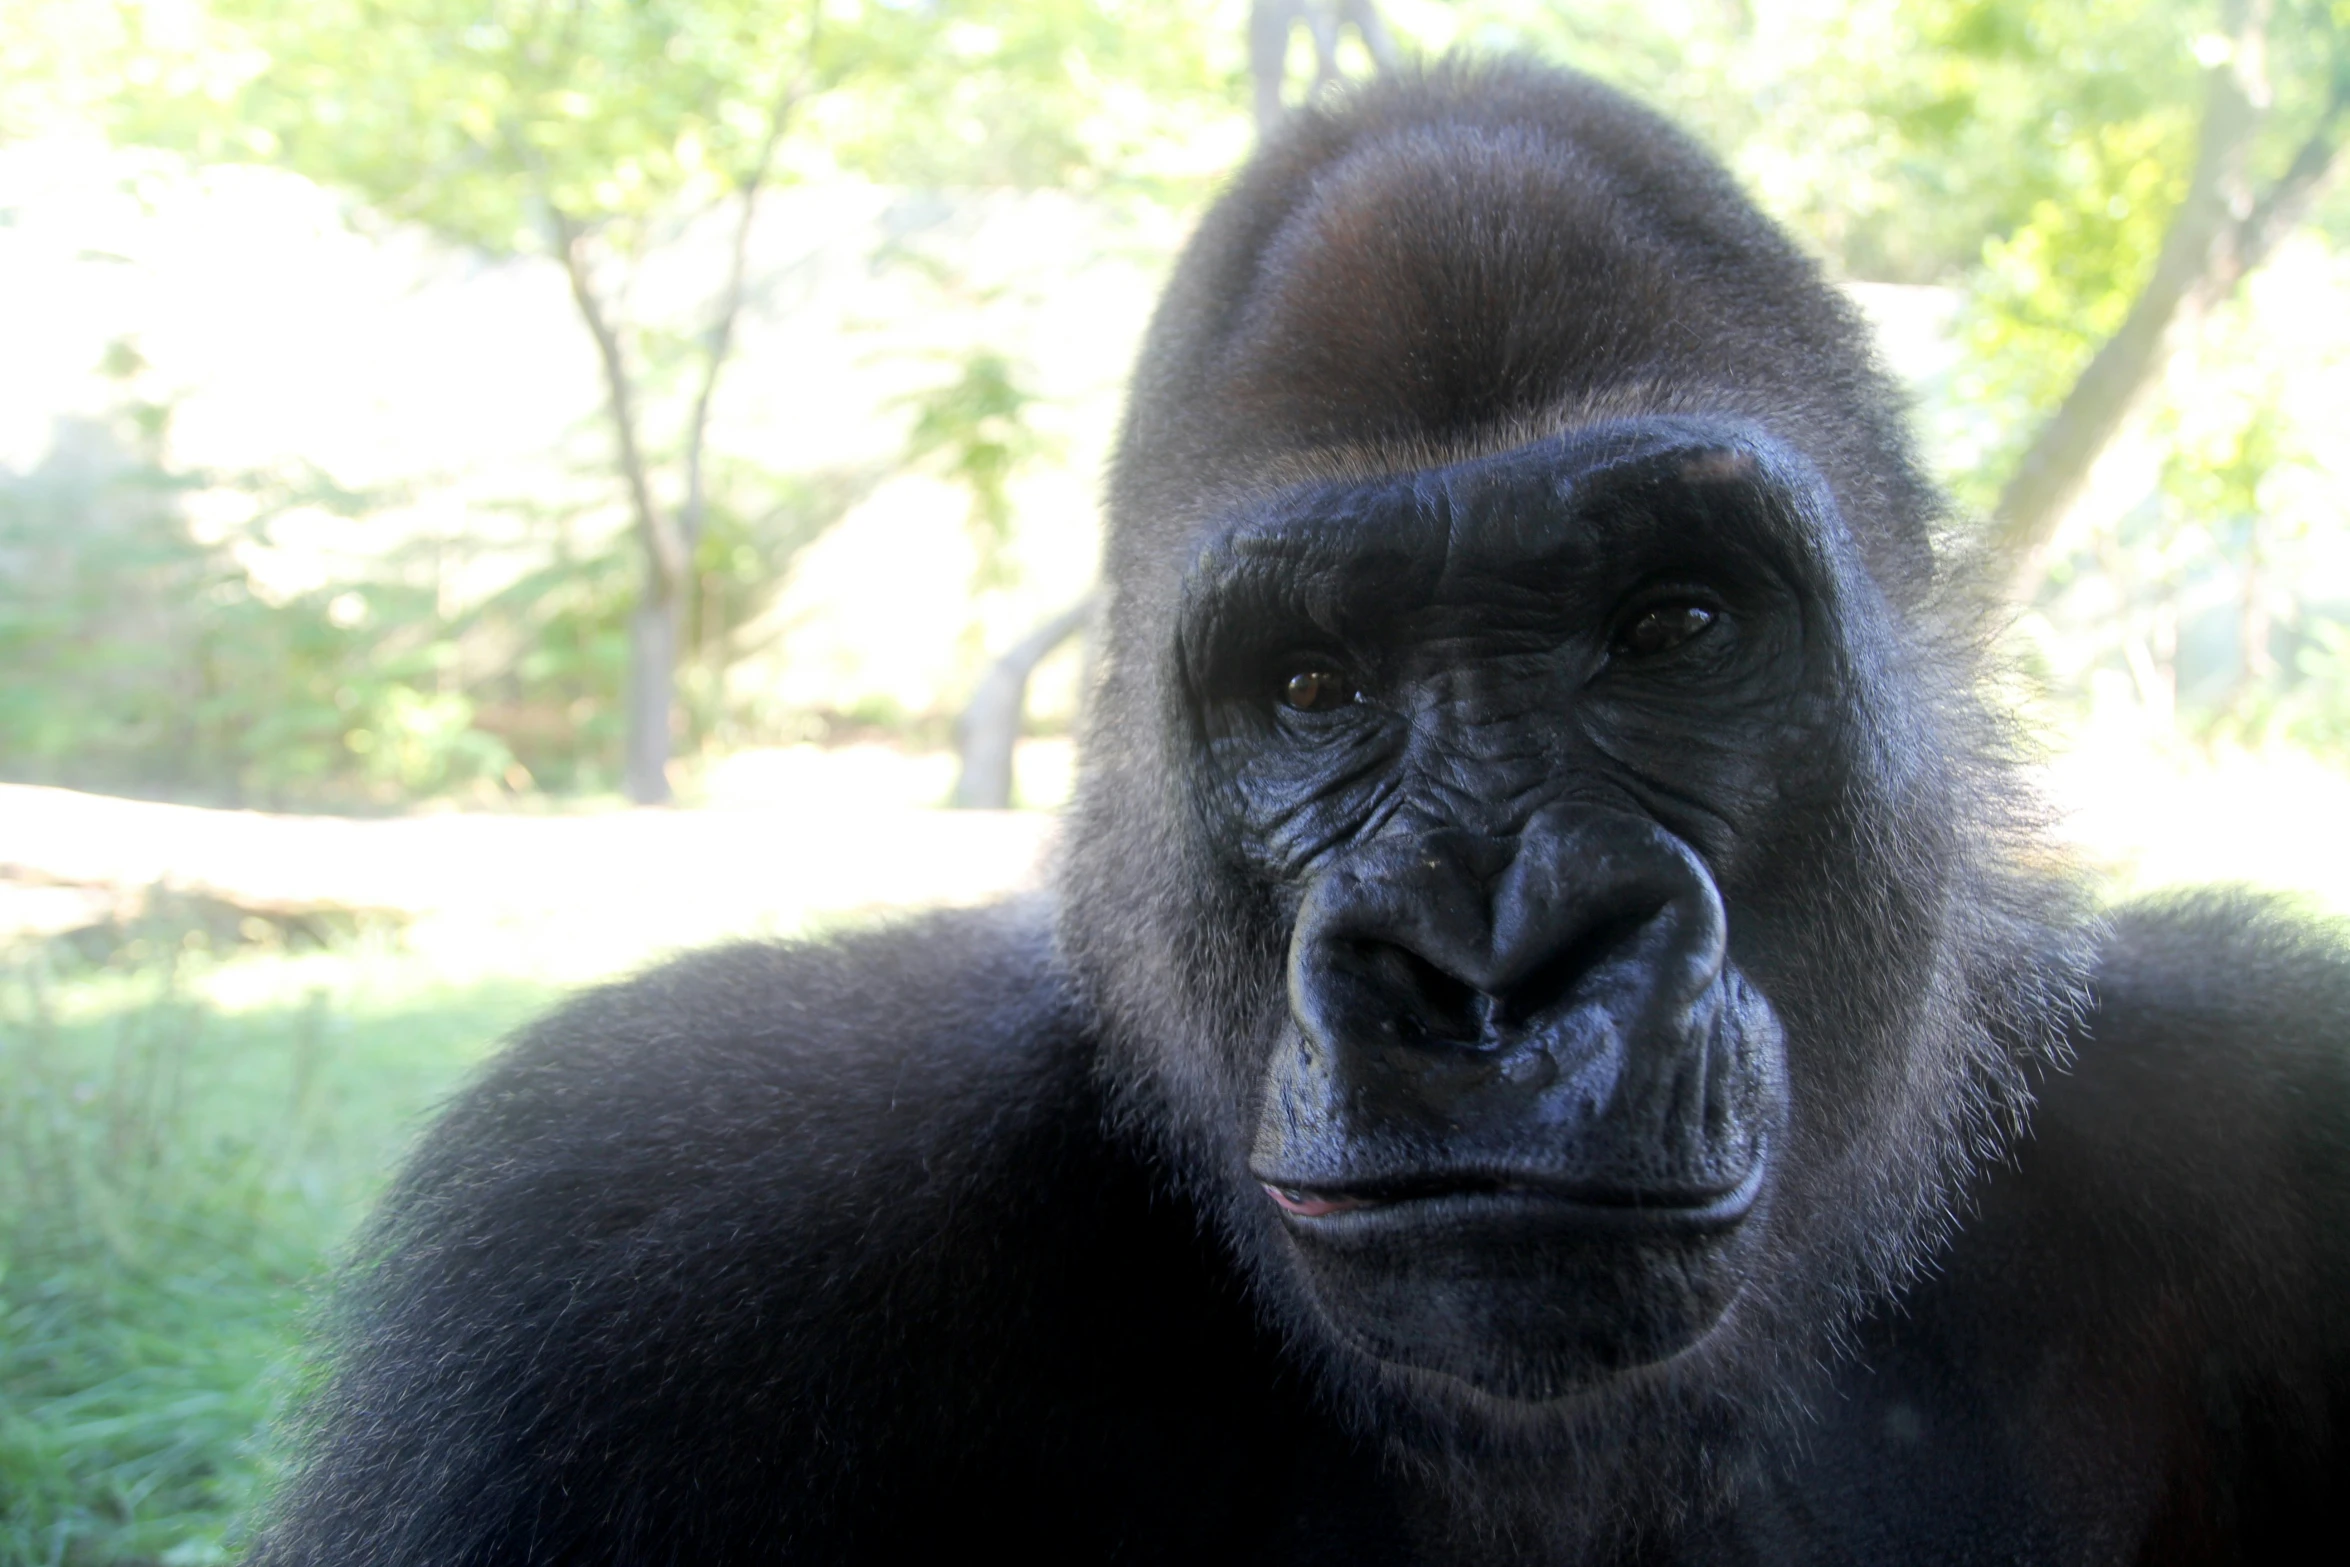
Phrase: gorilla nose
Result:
[1452,944]
[1550,1010]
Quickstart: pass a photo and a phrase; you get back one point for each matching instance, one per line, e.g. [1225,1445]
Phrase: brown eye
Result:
[1317,690]
[1662,628]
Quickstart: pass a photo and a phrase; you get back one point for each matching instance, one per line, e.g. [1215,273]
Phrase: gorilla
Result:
[1555,1037]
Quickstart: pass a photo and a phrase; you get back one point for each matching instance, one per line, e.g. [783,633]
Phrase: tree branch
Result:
[663,548]
[718,344]
[2199,262]
[1270,22]
[1372,27]
[989,728]
[2282,207]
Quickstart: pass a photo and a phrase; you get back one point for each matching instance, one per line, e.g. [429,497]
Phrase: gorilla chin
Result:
[1529,1296]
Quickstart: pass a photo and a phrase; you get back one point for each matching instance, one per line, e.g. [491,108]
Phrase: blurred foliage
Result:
[468,117]
[2075,200]
[136,659]
[1903,136]
[512,126]
[2218,605]
[2218,601]
[759,522]
[978,428]
[599,132]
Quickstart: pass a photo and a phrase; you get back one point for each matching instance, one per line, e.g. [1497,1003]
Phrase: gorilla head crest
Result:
[1537,846]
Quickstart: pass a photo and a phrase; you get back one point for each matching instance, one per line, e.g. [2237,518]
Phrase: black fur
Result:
[1555,1090]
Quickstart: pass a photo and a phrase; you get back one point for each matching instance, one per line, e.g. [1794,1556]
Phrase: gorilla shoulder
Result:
[2153,1276]
[2207,1106]
[696,1231]
[791,1059]
[752,1251]
[2137,1334]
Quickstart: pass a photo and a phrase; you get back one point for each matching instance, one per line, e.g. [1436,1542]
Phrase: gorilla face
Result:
[1487,737]
[1469,727]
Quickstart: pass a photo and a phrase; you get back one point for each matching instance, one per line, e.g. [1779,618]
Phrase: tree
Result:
[989,727]
[598,132]
[588,132]
[2224,226]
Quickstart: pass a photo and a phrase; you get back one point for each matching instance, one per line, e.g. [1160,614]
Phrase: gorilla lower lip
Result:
[1456,1197]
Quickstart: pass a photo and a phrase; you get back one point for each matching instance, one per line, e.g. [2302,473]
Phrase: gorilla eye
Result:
[1661,628]
[1316,689]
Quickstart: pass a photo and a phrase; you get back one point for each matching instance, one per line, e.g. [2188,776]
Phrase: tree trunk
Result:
[989,729]
[2219,234]
[1364,17]
[655,626]
[1270,22]
[2048,478]
[652,628]
[651,690]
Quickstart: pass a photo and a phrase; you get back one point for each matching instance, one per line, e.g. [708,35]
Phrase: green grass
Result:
[184,1145]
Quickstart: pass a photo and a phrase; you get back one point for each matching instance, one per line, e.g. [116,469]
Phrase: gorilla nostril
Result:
[1431,1005]
[1435,1006]
[1553,980]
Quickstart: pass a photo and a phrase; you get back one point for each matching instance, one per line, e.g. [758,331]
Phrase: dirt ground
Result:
[672,877]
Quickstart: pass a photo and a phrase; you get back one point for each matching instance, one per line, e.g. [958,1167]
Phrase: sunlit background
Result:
[492,492]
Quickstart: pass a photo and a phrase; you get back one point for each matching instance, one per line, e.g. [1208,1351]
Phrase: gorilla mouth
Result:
[1457,1195]
[1525,1283]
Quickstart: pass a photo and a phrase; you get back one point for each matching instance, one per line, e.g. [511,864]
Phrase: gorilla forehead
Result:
[1441,279]
[1476,258]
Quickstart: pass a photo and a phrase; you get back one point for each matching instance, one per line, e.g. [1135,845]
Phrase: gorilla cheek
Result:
[1521,1126]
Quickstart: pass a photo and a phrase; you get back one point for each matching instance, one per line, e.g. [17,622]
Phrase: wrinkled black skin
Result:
[1744,1147]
